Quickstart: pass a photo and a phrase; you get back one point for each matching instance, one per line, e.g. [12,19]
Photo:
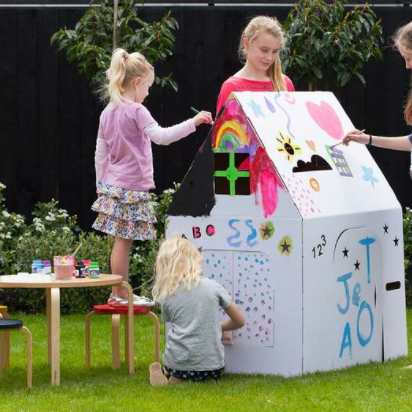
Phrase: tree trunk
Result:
[115,9]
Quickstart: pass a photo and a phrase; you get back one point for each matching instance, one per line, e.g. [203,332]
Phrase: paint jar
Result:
[63,267]
[80,270]
[46,267]
[94,270]
[87,264]
[36,266]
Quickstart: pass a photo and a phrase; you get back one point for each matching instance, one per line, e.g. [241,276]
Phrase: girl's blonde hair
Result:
[269,25]
[124,68]
[403,37]
[178,263]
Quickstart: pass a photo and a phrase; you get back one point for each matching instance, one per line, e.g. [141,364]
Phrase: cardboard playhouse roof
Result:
[268,144]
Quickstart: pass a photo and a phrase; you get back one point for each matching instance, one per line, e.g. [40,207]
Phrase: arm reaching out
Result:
[166,135]
[236,321]
[395,143]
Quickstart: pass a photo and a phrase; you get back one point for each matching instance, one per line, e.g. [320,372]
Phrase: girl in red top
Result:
[259,47]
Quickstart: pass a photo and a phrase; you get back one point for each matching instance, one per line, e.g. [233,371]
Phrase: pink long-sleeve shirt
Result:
[123,156]
[238,84]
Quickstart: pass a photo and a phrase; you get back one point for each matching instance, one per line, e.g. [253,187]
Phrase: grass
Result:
[371,387]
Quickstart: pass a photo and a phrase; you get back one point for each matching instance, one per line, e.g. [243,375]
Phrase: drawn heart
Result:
[326,118]
[311,144]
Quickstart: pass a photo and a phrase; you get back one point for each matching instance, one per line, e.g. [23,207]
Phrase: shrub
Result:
[329,42]
[90,43]
[53,232]
[407,238]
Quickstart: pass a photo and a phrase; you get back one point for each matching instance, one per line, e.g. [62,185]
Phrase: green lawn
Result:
[372,387]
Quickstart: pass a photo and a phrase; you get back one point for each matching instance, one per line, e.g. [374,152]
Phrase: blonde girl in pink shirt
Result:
[260,44]
[124,162]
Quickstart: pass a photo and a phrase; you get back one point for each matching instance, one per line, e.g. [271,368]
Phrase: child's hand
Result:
[228,338]
[356,136]
[203,117]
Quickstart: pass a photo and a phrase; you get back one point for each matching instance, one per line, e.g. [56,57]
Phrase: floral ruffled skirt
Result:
[128,214]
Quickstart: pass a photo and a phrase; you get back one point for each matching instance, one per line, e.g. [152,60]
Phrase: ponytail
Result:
[124,67]
[116,75]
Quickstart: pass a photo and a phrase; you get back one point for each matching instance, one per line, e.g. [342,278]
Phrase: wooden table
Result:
[34,281]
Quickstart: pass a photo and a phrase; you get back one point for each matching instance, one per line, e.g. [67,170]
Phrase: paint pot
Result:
[87,263]
[80,270]
[46,267]
[36,266]
[63,267]
[63,271]
[94,270]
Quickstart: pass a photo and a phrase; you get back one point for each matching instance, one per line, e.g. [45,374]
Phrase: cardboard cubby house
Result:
[306,236]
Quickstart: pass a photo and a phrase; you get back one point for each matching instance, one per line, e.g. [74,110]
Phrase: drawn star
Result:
[368,175]
[345,252]
[285,246]
[266,230]
[357,264]
[396,240]
[385,228]
[256,109]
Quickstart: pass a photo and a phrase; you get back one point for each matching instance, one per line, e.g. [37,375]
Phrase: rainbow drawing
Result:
[231,135]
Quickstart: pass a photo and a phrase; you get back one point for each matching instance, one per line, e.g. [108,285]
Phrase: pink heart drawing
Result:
[326,118]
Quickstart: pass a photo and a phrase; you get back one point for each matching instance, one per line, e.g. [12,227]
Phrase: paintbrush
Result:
[74,253]
[337,144]
[195,111]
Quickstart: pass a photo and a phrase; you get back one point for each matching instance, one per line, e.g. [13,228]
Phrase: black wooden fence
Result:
[49,116]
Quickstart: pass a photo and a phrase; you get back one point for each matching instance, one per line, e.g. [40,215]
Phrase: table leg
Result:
[48,306]
[53,322]
[130,324]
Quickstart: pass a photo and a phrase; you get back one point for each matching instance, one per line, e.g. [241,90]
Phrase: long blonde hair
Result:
[124,68]
[178,264]
[403,37]
[269,25]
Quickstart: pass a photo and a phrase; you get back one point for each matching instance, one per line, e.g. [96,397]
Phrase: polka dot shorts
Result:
[194,376]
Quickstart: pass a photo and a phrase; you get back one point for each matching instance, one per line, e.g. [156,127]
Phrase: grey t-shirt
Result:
[194,335]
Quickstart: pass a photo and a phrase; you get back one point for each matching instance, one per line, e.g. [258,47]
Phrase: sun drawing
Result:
[288,147]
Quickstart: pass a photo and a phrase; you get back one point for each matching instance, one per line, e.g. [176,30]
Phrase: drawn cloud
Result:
[316,163]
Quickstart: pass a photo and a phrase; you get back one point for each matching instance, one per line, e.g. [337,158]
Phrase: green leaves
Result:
[54,232]
[330,43]
[90,44]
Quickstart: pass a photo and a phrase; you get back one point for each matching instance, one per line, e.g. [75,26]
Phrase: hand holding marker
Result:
[337,144]
[202,117]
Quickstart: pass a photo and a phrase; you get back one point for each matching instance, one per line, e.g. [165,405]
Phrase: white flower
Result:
[6,214]
[50,217]
[2,186]
[63,213]
[66,229]
[38,225]
[2,235]
[8,235]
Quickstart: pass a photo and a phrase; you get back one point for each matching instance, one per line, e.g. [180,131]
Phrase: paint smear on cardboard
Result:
[263,173]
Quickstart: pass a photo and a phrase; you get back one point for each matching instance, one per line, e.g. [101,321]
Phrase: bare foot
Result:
[175,381]
[157,378]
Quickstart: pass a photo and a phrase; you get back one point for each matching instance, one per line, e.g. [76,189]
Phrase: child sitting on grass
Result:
[190,302]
